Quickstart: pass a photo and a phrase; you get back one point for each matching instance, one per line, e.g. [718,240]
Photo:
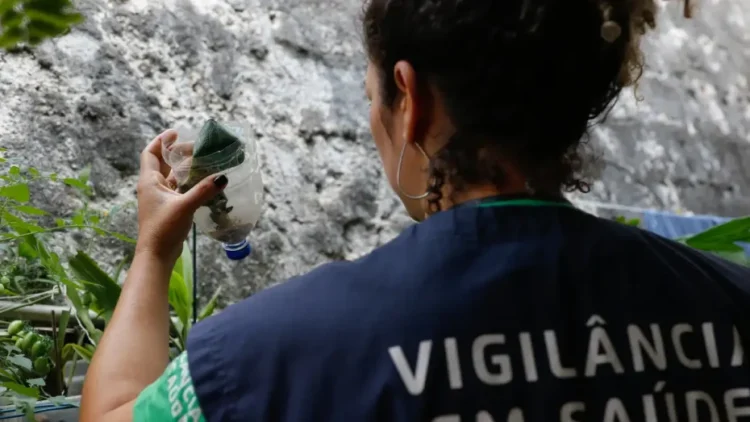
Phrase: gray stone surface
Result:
[295,70]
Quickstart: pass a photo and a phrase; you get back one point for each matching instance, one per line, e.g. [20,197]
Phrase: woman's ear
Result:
[408,103]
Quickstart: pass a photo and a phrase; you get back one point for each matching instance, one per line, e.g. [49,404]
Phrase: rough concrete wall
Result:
[295,70]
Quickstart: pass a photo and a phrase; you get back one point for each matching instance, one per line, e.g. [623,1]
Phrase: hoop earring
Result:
[398,173]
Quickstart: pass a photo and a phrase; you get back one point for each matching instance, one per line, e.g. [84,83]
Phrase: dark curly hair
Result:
[520,78]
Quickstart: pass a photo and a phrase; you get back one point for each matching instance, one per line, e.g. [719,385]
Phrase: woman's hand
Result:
[165,216]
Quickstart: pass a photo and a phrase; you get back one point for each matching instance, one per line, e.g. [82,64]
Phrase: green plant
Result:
[181,299]
[32,272]
[628,222]
[24,363]
[103,292]
[721,240]
[29,22]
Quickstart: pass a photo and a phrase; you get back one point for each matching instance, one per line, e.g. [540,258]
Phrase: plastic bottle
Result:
[228,149]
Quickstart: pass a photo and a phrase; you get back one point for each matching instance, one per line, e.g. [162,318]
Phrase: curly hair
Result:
[520,78]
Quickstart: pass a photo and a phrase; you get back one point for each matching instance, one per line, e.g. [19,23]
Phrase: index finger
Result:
[152,159]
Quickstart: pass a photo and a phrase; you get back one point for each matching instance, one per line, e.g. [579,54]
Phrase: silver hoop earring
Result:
[398,173]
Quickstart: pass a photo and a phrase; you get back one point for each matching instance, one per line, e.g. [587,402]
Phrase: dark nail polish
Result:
[221,181]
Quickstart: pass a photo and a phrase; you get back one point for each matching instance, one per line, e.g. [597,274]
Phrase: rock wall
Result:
[295,70]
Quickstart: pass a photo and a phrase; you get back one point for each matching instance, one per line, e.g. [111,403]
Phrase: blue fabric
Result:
[673,226]
[487,314]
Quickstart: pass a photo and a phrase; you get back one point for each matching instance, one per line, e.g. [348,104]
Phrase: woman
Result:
[505,303]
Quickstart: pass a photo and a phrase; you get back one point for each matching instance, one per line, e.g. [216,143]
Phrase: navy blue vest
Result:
[489,314]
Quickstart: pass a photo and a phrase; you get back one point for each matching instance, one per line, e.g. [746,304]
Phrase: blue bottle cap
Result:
[237,251]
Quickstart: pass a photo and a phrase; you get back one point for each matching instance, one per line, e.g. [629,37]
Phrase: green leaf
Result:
[5,373]
[62,326]
[33,172]
[35,21]
[31,247]
[122,237]
[82,312]
[105,290]
[179,298]
[738,257]
[723,236]
[5,6]
[53,177]
[75,183]
[62,401]
[20,361]
[120,266]
[186,267]
[20,389]
[210,307]
[26,250]
[10,218]
[18,192]
[36,382]
[26,405]
[178,328]
[78,219]
[30,210]
[21,226]
[181,287]
[11,348]
[14,170]
[12,19]
[82,352]
[51,262]
[57,23]
[11,37]
[178,264]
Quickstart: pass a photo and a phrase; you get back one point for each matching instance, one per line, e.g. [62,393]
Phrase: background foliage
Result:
[29,22]
[33,270]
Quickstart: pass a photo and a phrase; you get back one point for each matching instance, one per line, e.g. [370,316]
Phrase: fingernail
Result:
[221,181]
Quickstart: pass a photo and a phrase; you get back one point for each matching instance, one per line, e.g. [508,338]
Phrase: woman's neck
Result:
[452,198]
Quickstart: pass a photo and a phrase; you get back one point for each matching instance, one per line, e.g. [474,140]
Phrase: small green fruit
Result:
[28,341]
[39,349]
[19,343]
[15,327]
[41,365]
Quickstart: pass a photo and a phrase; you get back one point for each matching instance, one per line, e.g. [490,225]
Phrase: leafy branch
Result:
[29,22]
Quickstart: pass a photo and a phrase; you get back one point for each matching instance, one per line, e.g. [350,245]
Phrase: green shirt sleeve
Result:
[171,398]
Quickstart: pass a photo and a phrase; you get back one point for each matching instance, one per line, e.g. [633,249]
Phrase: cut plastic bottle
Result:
[227,149]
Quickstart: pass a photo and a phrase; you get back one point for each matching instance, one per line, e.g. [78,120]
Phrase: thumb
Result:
[204,191]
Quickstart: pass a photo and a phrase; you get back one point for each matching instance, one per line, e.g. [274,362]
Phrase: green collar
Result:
[496,203]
